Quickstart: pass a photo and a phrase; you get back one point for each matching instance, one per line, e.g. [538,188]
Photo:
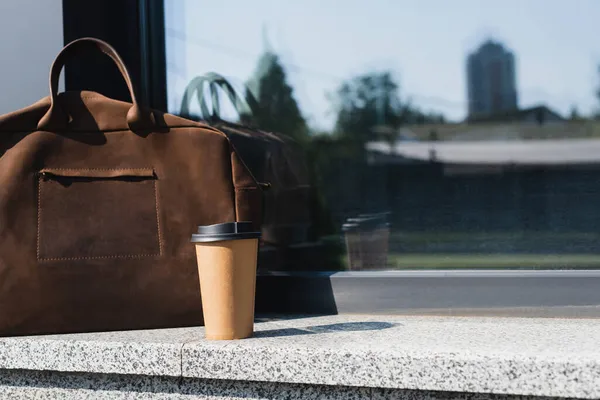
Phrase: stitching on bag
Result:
[201,125]
[39,215]
[160,249]
[98,257]
[95,257]
[98,169]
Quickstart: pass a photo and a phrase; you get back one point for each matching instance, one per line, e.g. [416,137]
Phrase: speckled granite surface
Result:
[155,352]
[541,357]
[339,354]
[26,385]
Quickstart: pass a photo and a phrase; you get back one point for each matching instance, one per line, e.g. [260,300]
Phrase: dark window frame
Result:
[135,28]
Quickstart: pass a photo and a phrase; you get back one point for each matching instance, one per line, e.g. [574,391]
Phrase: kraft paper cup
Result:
[227,255]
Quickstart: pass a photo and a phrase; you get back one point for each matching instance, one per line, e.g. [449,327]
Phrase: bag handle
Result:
[243,105]
[55,118]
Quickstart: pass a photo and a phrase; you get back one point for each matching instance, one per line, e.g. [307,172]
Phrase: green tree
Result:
[365,102]
[574,115]
[276,108]
[598,95]
[371,103]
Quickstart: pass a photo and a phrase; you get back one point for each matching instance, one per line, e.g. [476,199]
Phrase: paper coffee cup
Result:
[227,255]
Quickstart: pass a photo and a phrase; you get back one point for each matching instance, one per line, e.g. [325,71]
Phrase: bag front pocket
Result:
[97,213]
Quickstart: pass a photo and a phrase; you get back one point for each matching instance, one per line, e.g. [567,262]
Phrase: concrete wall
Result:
[31,33]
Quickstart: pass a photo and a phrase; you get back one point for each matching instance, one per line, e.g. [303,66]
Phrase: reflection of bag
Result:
[98,202]
[272,158]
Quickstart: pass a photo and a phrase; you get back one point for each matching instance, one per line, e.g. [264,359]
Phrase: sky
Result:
[423,42]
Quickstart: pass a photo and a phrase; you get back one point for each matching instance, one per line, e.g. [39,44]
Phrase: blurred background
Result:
[459,134]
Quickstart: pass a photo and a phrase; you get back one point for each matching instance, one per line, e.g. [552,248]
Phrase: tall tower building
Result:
[491,81]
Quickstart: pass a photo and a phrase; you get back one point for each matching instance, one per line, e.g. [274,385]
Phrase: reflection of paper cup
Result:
[227,256]
[367,240]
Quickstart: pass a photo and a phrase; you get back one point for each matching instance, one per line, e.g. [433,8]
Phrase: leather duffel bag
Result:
[273,158]
[98,201]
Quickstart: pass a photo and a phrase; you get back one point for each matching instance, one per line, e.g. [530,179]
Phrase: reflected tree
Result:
[597,116]
[574,115]
[370,107]
[365,102]
[277,109]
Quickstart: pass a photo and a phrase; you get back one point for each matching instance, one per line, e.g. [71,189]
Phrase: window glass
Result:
[404,134]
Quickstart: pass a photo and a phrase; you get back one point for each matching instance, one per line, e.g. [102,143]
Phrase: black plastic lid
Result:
[381,215]
[349,227]
[363,223]
[225,231]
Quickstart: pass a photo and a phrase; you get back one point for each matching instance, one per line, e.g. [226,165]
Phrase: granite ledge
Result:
[504,356]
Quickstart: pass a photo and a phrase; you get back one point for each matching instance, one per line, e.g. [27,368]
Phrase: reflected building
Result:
[491,81]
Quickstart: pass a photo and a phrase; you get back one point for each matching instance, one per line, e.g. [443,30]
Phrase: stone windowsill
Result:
[532,357]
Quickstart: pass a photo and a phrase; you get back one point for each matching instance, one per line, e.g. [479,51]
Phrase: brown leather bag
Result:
[273,158]
[98,201]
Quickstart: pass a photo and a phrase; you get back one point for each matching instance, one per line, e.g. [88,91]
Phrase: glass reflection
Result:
[406,134]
